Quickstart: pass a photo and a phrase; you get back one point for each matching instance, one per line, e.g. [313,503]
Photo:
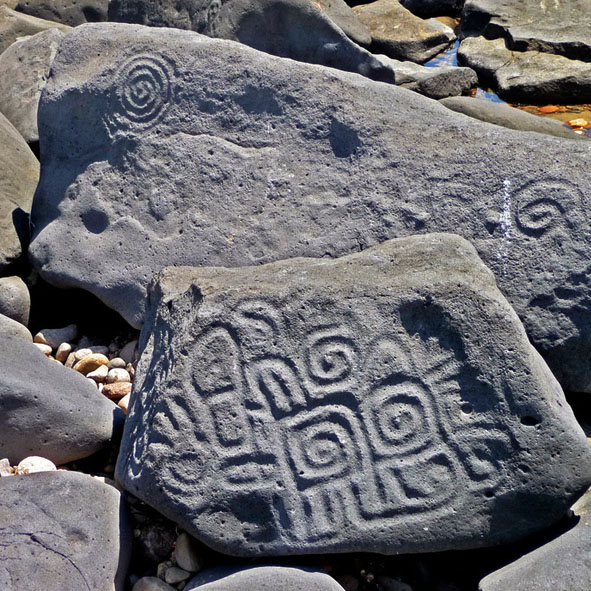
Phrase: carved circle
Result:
[331,359]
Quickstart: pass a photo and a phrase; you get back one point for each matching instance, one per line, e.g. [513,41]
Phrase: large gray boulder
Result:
[563,564]
[19,174]
[49,410]
[62,531]
[341,14]
[322,405]
[298,29]
[24,69]
[67,12]
[15,300]
[172,148]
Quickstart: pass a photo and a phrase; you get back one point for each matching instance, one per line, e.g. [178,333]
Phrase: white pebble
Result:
[99,374]
[117,363]
[5,467]
[35,464]
[63,352]
[118,375]
[123,404]
[45,349]
[82,353]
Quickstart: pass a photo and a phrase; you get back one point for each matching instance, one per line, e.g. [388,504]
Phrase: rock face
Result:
[298,29]
[11,327]
[522,75]
[560,565]
[263,578]
[67,12]
[507,116]
[322,405]
[19,174]
[48,410]
[24,69]
[339,12]
[233,157]
[62,531]
[400,34]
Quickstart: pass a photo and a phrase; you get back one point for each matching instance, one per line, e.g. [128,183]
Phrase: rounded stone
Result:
[91,362]
[35,464]
[117,375]
[15,300]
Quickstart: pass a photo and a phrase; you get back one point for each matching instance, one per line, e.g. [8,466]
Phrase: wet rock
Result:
[432,8]
[507,116]
[400,34]
[67,12]
[379,388]
[24,69]
[34,464]
[560,565]
[527,76]
[562,28]
[19,174]
[15,329]
[49,410]
[62,531]
[221,186]
[436,83]
[339,12]
[16,24]
[298,29]
[54,337]
[15,300]
[263,578]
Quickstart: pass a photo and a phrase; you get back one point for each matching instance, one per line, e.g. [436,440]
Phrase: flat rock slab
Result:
[24,69]
[530,75]
[552,26]
[263,578]
[298,29]
[564,564]
[400,34]
[19,174]
[62,531]
[49,410]
[67,12]
[507,116]
[333,405]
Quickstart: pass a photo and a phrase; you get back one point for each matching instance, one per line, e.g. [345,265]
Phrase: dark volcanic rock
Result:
[62,531]
[48,410]
[298,29]
[263,578]
[171,149]
[322,405]
[564,564]
[68,12]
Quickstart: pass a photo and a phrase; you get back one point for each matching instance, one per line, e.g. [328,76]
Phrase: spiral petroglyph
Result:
[331,357]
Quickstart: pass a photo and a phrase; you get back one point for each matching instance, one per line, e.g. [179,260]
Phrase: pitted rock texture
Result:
[298,29]
[48,410]
[62,531]
[231,157]
[263,578]
[321,405]
[67,12]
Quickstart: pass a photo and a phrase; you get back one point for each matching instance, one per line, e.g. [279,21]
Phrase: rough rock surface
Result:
[341,14]
[67,12]
[325,405]
[19,174]
[436,83]
[62,531]
[233,157]
[551,26]
[48,410]
[16,24]
[400,34]
[263,578]
[507,116]
[15,300]
[11,327]
[24,68]
[431,8]
[564,564]
[298,29]
[529,75]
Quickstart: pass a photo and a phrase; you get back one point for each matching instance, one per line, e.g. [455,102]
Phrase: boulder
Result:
[16,24]
[62,531]
[24,69]
[49,410]
[67,12]
[232,157]
[400,34]
[298,29]
[507,116]
[19,174]
[341,14]
[11,327]
[329,405]
[527,76]
[551,26]
[15,300]
[433,8]
[559,565]
[263,578]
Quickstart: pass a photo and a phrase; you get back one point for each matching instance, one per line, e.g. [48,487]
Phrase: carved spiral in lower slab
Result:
[331,358]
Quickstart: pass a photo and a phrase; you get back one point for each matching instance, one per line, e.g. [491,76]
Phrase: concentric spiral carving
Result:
[331,358]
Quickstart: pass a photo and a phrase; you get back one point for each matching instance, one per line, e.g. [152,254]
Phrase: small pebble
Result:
[130,370]
[71,360]
[185,553]
[117,390]
[91,362]
[117,363]
[45,349]
[55,336]
[5,467]
[35,464]
[123,404]
[100,385]
[82,353]
[162,568]
[128,352]
[99,374]
[63,352]
[118,375]
[152,584]
[174,575]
